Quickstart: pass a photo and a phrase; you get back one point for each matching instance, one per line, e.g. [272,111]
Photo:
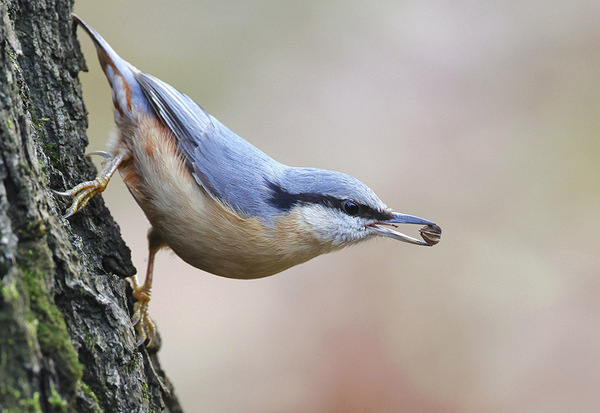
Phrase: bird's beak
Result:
[431,233]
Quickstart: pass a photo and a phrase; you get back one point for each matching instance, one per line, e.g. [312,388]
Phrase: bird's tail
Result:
[126,92]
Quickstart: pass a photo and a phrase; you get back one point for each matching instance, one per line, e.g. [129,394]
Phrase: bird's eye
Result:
[350,207]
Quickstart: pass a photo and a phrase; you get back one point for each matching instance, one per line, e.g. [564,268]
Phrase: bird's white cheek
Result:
[332,227]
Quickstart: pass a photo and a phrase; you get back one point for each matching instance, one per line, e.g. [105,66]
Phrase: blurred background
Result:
[481,116]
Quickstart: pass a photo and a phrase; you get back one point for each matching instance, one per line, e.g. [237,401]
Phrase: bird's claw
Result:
[144,326]
[83,193]
[86,190]
[104,154]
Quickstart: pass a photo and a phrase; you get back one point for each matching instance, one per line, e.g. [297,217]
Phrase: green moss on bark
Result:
[36,265]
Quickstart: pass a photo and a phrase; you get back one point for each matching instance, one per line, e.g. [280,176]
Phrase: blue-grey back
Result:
[223,163]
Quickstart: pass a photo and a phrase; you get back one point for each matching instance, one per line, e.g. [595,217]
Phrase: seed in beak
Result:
[431,234]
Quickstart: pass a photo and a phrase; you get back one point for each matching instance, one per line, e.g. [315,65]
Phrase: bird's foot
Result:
[144,326]
[86,190]
[83,193]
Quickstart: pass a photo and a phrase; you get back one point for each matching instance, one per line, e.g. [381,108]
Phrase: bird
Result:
[218,202]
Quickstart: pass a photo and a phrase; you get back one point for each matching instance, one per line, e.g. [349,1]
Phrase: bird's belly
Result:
[207,236]
[198,228]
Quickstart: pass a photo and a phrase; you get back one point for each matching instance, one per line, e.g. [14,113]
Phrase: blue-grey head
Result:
[340,210]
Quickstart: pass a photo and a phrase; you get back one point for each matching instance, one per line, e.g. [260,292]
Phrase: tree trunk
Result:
[66,340]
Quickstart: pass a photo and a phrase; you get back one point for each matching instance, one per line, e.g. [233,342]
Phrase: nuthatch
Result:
[218,202]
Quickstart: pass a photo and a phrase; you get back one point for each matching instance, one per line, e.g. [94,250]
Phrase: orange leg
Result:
[144,326]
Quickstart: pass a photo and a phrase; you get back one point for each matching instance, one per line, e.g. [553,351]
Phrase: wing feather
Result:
[225,165]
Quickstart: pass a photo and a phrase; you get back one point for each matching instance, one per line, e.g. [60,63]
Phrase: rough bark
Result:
[66,342]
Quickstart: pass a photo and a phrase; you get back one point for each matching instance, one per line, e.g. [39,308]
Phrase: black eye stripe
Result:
[285,201]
